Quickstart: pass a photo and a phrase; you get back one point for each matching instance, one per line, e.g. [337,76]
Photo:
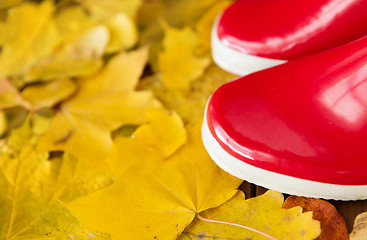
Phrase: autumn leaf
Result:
[104,9]
[188,103]
[3,123]
[9,3]
[360,227]
[79,42]
[74,20]
[104,103]
[332,224]
[28,34]
[31,186]
[37,96]
[48,94]
[151,199]
[161,133]
[177,62]
[264,213]
[105,153]
[204,27]
[80,56]
[178,13]
[124,33]
[9,95]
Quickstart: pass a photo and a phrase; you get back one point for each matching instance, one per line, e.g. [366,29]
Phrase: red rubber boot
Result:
[298,128]
[252,35]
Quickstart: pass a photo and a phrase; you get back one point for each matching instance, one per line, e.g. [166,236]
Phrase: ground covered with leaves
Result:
[101,110]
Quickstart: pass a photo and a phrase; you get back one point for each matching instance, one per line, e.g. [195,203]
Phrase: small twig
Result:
[236,225]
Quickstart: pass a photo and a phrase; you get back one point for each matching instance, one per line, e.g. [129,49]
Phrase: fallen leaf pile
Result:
[101,104]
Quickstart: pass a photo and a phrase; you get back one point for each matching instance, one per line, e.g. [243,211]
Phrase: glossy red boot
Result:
[298,128]
[252,35]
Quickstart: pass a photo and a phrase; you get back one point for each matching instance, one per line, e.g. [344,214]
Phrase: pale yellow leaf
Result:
[264,213]
[359,228]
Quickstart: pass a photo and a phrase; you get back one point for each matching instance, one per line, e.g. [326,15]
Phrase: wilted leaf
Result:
[31,185]
[177,63]
[360,227]
[264,213]
[28,34]
[332,224]
[49,93]
[152,199]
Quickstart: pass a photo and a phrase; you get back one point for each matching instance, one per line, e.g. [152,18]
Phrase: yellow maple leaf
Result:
[152,199]
[103,103]
[31,184]
[263,213]
[28,34]
[177,63]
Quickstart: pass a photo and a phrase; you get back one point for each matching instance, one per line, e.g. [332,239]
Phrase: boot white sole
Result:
[234,61]
[275,181]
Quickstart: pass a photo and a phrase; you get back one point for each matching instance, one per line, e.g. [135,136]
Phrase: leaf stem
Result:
[236,225]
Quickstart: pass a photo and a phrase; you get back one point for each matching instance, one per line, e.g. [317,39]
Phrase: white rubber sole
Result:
[237,62]
[275,181]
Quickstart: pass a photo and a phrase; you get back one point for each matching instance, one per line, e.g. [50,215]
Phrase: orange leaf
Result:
[332,224]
